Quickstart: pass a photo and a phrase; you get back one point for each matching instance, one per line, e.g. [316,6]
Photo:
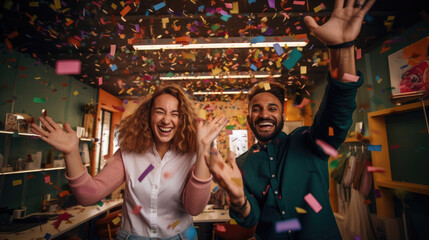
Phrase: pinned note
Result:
[314,204]
[288,225]
[66,67]
[148,169]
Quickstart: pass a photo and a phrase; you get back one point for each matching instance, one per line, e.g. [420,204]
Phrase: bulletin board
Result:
[408,147]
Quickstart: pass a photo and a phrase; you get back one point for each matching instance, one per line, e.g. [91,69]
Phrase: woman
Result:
[161,159]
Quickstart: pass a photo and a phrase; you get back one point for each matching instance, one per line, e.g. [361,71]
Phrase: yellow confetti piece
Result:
[267,86]
[57,4]
[116,220]
[16,182]
[303,69]
[114,6]
[129,91]
[175,224]
[390,18]
[75,93]
[234,8]
[300,210]
[237,181]
[33,4]
[299,49]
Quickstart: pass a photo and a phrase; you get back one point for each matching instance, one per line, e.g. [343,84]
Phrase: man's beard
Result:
[266,138]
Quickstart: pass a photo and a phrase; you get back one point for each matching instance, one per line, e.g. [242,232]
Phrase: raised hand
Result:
[210,129]
[65,140]
[227,174]
[344,24]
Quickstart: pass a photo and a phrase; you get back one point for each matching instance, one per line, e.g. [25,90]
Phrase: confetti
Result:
[16,182]
[327,149]
[377,193]
[257,39]
[375,169]
[67,67]
[39,100]
[143,175]
[137,209]
[288,225]
[116,220]
[314,204]
[331,131]
[278,48]
[47,178]
[100,203]
[237,181]
[294,57]
[47,236]
[375,148]
[159,6]
[191,232]
[300,210]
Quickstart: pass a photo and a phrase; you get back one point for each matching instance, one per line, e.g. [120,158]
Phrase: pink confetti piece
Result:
[272,3]
[288,225]
[350,77]
[100,80]
[47,178]
[375,169]
[327,149]
[137,209]
[112,50]
[148,169]
[220,228]
[314,204]
[299,2]
[65,67]
[358,53]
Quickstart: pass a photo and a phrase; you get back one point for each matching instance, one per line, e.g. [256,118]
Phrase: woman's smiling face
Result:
[164,119]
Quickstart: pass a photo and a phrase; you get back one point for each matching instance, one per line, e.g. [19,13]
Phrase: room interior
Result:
[191,43]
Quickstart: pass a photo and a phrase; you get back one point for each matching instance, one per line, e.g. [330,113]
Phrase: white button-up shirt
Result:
[159,193]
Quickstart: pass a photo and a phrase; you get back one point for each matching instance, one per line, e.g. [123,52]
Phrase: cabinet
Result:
[385,181]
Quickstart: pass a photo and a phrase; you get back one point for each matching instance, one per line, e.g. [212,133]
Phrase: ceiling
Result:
[51,30]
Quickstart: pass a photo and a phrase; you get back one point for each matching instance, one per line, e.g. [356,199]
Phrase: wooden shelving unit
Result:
[383,181]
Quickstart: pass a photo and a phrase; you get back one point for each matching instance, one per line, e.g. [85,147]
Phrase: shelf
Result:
[38,136]
[351,140]
[410,187]
[35,170]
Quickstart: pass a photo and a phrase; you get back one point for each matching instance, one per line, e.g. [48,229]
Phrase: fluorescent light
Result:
[217,45]
[217,93]
[258,74]
[232,42]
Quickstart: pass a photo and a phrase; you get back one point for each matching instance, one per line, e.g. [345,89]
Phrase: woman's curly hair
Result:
[135,133]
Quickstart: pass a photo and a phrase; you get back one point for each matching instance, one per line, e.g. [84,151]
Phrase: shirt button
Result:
[283,212]
[155,186]
[276,192]
[273,175]
[271,158]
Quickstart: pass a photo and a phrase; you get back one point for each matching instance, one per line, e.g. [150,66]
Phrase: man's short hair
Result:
[275,88]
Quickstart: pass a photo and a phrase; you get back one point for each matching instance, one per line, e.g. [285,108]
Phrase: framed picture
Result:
[11,123]
[409,70]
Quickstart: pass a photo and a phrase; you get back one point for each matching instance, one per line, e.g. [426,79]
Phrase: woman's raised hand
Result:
[210,129]
[65,140]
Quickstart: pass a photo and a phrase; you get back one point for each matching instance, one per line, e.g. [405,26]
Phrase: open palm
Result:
[63,140]
[344,24]
[228,175]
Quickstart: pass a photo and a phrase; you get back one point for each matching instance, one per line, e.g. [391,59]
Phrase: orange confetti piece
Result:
[331,131]
[125,10]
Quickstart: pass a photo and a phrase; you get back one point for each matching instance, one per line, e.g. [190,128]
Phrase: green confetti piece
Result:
[15,134]
[100,203]
[39,100]
[333,164]
[170,74]
[230,127]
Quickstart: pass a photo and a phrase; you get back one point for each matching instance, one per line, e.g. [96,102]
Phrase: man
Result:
[280,170]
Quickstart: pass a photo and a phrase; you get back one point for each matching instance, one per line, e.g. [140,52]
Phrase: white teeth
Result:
[165,129]
[266,124]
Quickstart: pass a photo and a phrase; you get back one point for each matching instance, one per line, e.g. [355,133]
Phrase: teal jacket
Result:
[279,174]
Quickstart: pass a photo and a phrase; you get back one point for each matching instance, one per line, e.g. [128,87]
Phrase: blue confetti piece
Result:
[47,236]
[113,67]
[294,57]
[251,1]
[288,225]
[253,67]
[215,188]
[146,14]
[200,8]
[279,49]
[191,232]
[257,39]
[159,6]
[375,148]
[406,65]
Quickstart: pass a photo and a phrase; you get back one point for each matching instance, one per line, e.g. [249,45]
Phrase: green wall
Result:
[23,78]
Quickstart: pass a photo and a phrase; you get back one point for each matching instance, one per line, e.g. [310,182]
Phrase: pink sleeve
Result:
[90,190]
[196,194]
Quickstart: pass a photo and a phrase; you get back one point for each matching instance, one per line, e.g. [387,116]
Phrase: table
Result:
[80,215]
[212,215]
